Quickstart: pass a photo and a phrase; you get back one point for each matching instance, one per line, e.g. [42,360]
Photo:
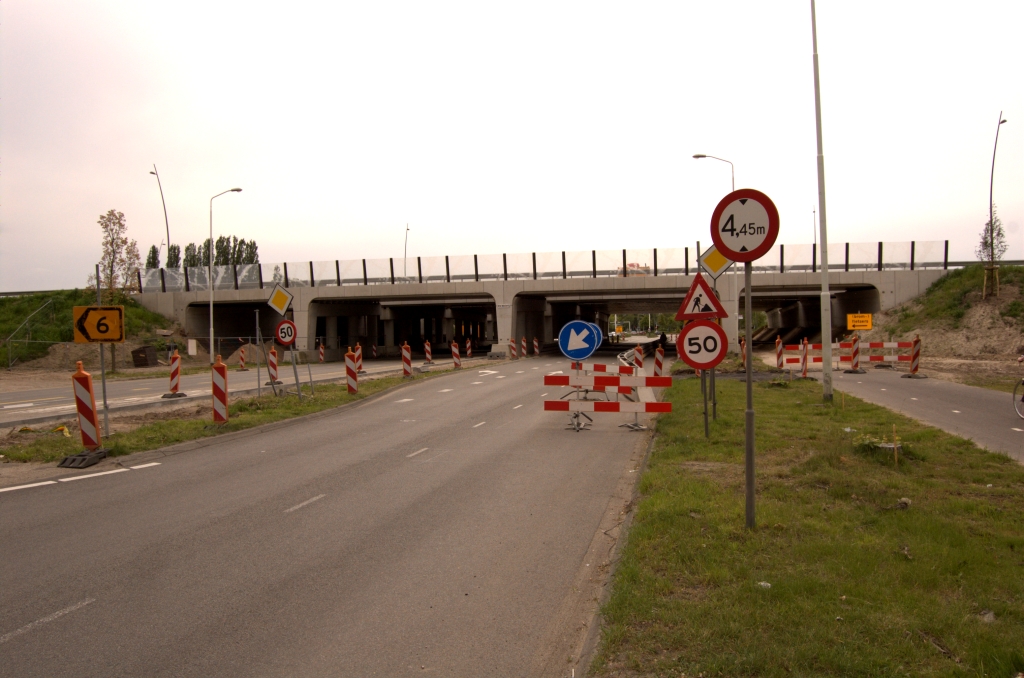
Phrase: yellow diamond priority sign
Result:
[714,262]
[280,299]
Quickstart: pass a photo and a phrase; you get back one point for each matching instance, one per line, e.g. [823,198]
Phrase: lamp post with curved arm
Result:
[209,274]
[732,169]
[167,224]
[992,215]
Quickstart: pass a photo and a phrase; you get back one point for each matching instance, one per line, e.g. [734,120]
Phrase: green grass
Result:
[859,587]
[245,413]
[946,300]
[54,323]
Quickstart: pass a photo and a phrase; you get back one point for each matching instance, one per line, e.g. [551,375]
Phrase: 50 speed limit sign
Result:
[702,344]
[285,333]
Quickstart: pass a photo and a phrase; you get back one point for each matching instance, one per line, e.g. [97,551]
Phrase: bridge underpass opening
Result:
[793,313]
[658,312]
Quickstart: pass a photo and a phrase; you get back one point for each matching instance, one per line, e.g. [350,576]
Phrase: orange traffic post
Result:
[175,377]
[351,372]
[220,391]
[406,359]
[88,422]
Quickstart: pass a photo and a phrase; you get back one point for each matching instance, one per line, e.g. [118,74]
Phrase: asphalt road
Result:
[19,405]
[443,529]
[982,415]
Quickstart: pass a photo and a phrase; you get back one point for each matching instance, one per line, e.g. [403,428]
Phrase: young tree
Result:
[120,259]
[153,258]
[192,258]
[993,241]
[173,256]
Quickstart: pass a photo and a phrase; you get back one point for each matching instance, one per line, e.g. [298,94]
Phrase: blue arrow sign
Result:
[578,340]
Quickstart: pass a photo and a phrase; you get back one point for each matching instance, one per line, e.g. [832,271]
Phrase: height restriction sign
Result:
[745,225]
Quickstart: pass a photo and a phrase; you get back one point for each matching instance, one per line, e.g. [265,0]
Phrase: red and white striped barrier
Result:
[359,359]
[804,359]
[469,348]
[427,352]
[536,346]
[219,373]
[779,361]
[659,361]
[523,347]
[638,357]
[351,372]
[175,377]
[855,356]
[915,355]
[601,367]
[321,352]
[272,366]
[455,355]
[512,349]
[605,380]
[373,351]
[241,360]
[85,403]
[406,360]
[604,406]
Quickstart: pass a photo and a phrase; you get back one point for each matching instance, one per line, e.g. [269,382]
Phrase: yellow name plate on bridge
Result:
[858,321]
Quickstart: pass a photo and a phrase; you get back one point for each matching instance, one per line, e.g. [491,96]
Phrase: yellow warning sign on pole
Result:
[280,299]
[858,321]
[98,324]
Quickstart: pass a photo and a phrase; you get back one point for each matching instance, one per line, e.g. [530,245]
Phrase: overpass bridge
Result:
[495,298]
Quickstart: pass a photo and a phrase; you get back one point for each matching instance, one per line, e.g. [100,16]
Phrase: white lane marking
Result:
[480,424]
[484,373]
[519,371]
[92,475]
[1013,428]
[305,503]
[445,390]
[500,376]
[517,407]
[860,382]
[39,622]
[409,456]
[547,364]
[554,373]
[11,407]
[534,368]
[477,382]
[913,398]
[152,463]
[956,411]
[22,487]
[543,394]
[883,389]
[404,400]
[143,389]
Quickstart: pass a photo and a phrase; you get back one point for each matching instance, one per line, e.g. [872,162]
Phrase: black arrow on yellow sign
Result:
[99,324]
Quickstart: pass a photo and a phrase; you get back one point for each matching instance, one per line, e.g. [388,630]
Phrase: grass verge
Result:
[840,578]
[244,413]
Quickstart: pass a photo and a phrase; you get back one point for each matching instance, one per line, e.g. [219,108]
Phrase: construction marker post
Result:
[427,352]
[88,422]
[536,346]
[638,357]
[512,349]
[272,368]
[373,351]
[219,375]
[915,361]
[321,351]
[456,360]
[469,348]
[241,360]
[779,363]
[359,359]
[523,347]
[175,377]
[854,357]
[406,360]
[659,361]
[351,371]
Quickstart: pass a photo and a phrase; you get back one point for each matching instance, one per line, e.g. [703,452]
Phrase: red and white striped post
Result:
[455,355]
[373,351]
[406,360]
[272,366]
[426,350]
[85,403]
[241,360]
[321,351]
[175,377]
[512,349]
[523,347]
[469,348]
[638,357]
[351,372]
[743,353]
[803,359]
[220,391]
[536,346]
[359,359]
[659,361]
[779,360]
[855,356]
[915,359]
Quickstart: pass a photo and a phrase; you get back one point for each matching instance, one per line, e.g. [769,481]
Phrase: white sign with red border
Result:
[745,225]
[285,333]
[702,344]
[700,302]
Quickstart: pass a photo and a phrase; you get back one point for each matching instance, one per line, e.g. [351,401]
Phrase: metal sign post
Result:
[295,371]
[748,317]
[103,364]
[259,386]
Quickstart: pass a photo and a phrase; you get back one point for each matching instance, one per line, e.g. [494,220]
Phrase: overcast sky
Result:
[496,127]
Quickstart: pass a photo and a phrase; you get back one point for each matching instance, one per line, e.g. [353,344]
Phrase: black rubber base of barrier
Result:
[913,376]
[854,372]
[276,383]
[83,459]
[242,369]
[179,394]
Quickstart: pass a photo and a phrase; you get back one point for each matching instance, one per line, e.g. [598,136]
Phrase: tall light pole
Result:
[209,278]
[405,254]
[826,296]
[992,210]
[732,169]
[166,223]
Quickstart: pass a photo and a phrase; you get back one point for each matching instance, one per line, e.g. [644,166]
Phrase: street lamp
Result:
[826,295]
[732,169]
[209,279]
[992,211]
[166,224]
[405,255]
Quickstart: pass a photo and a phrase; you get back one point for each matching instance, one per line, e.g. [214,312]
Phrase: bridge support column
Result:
[549,328]
[388,318]
[332,331]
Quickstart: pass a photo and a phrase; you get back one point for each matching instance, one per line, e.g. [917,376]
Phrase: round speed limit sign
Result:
[702,344]
[745,225]
[285,333]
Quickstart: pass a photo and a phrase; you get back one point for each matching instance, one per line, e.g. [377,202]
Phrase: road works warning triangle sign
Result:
[701,303]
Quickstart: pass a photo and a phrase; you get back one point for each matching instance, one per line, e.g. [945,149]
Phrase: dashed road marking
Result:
[92,475]
[913,398]
[956,411]
[883,389]
[500,376]
[404,400]
[11,407]
[1019,430]
[517,407]
[479,425]
[410,456]
[477,382]
[305,503]
[446,390]
[519,371]
[22,487]
[543,394]
[39,622]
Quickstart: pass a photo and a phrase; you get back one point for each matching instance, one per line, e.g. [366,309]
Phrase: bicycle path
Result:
[984,416]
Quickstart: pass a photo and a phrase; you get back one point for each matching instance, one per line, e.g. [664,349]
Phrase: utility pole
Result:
[826,296]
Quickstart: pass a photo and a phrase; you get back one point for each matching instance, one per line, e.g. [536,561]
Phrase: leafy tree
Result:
[192,256]
[173,256]
[153,258]
[120,259]
[227,250]
[993,241]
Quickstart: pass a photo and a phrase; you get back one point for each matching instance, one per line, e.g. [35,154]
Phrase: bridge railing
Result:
[881,256]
